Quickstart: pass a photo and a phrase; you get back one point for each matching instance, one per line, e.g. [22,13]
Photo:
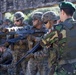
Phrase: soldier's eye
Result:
[17,20]
[45,22]
[34,19]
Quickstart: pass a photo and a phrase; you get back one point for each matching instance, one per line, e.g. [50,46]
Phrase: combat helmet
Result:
[19,16]
[37,15]
[49,15]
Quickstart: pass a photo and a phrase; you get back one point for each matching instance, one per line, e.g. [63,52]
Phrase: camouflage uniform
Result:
[38,62]
[2,42]
[63,38]
[19,49]
[3,39]
[5,60]
[51,17]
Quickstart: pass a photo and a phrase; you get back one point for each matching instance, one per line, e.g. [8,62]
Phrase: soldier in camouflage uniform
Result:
[50,18]
[21,47]
[63,38]
[38,61]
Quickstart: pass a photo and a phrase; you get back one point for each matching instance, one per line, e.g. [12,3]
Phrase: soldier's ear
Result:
[63,12]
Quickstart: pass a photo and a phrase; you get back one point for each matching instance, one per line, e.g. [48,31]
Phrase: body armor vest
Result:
[69,45]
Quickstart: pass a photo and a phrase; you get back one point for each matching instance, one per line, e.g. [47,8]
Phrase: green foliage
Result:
[29,19]
[29,13]
[7,15]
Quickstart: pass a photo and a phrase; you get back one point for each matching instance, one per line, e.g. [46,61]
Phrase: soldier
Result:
[68,50]
[6,23]
[5,60]
[50,18]
[63,38]
[19,48]
[37,62]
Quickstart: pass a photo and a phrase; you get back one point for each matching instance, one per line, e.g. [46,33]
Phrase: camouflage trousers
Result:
[21,68]
[66,69]
[35,67]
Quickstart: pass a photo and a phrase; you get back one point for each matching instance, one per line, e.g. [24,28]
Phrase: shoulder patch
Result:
[58,27]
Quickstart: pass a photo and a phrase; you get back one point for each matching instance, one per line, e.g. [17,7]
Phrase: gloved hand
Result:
[6,44]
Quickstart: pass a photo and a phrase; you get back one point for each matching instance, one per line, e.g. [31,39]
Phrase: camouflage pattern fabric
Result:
[59,38]
[18,50]
[66,69]
[37,63]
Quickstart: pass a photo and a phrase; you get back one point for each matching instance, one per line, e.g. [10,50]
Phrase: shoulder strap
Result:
[69,24]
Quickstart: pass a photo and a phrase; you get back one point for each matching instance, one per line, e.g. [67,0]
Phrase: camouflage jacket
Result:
[61,39]
[32,41]
[22,44]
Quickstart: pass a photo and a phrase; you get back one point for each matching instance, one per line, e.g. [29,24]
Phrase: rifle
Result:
[37,46]
[21,35]
[33,50]
[7,33]
[25,32]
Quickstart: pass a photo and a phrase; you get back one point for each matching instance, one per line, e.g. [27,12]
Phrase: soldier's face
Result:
[17,22]
[35,22]
[48,24]
[2,49]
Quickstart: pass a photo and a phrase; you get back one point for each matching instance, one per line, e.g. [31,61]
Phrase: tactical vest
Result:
[67,45]
[24,45]
[34,38]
